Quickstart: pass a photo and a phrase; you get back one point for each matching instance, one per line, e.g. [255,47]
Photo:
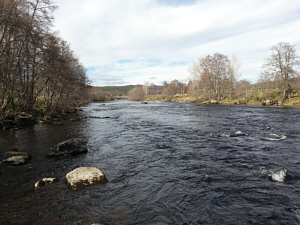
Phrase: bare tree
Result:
[146,87]
[137,93]
[35,64]
[215,76]
[233,75]
[173,88]
[243,89]
[281,66]
[152,89]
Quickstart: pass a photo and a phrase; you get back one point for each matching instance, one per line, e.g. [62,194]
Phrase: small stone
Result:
[16,160]
[237,134]
[58,123]
[44,182]
[15,153]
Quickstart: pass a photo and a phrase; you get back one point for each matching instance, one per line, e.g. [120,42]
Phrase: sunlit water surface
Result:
[166,162]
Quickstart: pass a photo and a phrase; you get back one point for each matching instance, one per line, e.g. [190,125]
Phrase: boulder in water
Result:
[24,118]
[72,146]
[16,158]
[279,175]
[84,176]
[43,182]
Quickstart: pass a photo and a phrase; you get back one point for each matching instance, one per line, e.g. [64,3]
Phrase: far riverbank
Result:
[295,101]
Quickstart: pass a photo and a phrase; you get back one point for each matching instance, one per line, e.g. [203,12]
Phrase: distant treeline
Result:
[123,90]
[118,90]
[216,78]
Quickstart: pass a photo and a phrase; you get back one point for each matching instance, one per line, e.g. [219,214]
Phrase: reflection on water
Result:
[166,162]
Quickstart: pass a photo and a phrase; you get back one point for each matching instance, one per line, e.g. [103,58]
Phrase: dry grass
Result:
[295,101]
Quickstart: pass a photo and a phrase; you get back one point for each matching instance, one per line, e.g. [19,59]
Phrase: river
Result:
[166,163]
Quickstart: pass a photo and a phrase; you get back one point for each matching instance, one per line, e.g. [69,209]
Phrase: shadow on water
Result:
[166,162]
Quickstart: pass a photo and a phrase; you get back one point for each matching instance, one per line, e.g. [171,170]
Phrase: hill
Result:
[122,89]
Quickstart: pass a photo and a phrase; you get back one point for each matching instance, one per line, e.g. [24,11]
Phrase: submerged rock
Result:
[16,158]
[162,146]
[234,134]
[237,134]
[15,153]
[72,146]
[273,137]
[84,176]
[44,182]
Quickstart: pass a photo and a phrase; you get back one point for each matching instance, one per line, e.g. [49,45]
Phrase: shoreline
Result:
[292,102]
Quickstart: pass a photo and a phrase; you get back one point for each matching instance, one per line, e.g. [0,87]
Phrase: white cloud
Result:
[131,41]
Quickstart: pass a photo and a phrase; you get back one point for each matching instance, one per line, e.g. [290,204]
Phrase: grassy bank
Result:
[294,101]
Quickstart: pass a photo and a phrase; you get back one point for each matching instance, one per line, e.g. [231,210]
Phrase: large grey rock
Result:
[44,182]
[84,176]
[72,146]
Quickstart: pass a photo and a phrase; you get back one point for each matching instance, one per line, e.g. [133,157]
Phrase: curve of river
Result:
[166,163]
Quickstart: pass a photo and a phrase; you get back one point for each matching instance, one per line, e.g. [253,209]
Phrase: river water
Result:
[166,163]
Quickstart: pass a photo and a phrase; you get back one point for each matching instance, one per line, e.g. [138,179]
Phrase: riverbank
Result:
[295,101]
[17,120]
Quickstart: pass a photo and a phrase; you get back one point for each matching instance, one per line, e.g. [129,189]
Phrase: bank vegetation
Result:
[39,73]
[216,80]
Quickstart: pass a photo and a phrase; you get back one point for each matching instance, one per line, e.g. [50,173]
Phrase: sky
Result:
[122,42]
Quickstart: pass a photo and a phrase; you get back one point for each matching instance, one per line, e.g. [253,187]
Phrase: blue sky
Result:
[123,42]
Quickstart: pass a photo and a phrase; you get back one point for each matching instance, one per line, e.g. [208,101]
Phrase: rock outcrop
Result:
[72,146]
[84,176]
[44,182]
[16,158]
